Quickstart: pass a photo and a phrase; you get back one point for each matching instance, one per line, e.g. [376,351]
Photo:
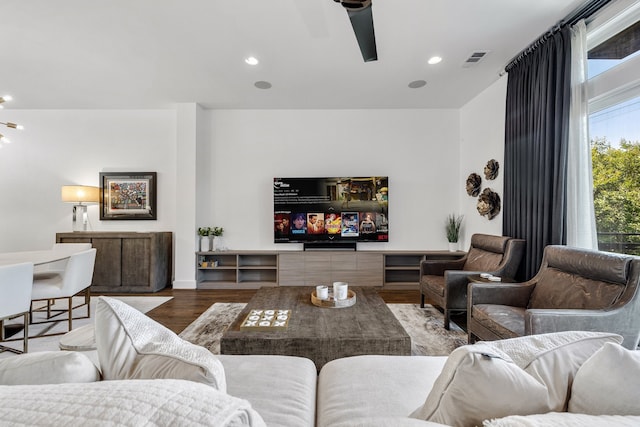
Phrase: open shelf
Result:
[236,270]
[252,270]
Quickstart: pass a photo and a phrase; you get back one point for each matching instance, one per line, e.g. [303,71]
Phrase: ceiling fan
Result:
[361,18]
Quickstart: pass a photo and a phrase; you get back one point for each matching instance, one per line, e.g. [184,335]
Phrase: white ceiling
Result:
[76,54]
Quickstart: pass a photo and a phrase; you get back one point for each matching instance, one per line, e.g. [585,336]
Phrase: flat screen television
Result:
[331,210]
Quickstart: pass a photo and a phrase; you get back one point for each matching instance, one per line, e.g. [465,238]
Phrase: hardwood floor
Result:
[188,304]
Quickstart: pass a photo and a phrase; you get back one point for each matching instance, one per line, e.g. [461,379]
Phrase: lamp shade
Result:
[80,193]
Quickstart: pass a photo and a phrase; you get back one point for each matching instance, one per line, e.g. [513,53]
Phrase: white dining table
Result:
[36,257]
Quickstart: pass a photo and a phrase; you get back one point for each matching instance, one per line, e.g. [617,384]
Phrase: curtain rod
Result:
[580,13]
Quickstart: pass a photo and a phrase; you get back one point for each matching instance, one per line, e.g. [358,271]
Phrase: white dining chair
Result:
[15,300]
[41,271]
[74,280]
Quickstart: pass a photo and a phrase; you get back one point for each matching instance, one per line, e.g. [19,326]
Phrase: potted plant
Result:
[453,230]
[205,241]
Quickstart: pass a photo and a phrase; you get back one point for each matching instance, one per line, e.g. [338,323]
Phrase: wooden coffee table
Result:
[318,333]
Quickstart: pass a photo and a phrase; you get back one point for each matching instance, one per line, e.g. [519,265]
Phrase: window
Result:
[613,38]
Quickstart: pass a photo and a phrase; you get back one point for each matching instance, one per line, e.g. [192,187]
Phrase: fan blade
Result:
[362,23]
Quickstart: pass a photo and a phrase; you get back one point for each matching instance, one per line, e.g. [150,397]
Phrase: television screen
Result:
[351,209]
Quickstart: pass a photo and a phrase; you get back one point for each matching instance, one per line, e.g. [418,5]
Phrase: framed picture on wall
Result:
[127,195]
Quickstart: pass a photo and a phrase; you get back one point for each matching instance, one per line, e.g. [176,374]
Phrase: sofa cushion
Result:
[371,386]
[563,419]
[387,422]
[608,383]
[553,359]
[281,388]
[160,403]
[576,291]
[48,367]
[133,346]
[526,375]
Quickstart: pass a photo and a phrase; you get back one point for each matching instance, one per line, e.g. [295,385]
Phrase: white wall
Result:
[233,156]
[417,149]
[481,139]
[65,147]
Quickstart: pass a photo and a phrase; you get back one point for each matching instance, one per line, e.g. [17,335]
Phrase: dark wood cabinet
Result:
[127,261]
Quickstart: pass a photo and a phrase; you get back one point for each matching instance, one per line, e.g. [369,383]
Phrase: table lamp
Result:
[79,194]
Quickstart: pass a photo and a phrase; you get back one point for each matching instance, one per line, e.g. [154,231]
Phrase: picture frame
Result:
[128,195]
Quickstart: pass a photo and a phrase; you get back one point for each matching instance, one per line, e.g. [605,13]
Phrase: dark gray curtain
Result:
[536,139]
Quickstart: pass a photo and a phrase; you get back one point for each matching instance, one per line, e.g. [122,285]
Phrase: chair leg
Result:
[26,332]
[87,300]
[471,339]
[70,299]
[447,315]
[421,300]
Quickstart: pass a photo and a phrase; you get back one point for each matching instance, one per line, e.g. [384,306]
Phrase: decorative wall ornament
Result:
[491,169]
[489,203]
[474,183]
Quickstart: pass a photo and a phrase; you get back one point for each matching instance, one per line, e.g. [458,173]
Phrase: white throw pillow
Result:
[553,359]
[479,382]
[520,376]
[133,346]
[608,383]
[48,367]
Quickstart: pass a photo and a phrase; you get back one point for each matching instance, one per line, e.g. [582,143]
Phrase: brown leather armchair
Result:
[444,282]
[574,290]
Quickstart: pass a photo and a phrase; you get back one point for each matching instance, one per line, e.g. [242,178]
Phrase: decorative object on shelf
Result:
[205,240]
[491,169]
[128,195]
[489,203]
[4,139]
[474,182]
[217,244]
[452,228]
[79,194]
[209,238]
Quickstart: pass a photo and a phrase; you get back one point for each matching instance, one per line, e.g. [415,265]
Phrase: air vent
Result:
[475,57]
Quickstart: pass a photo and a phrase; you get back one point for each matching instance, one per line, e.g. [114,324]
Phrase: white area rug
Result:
[425,326]
[143,304]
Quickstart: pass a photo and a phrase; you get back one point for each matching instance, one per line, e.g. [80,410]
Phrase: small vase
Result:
[205,244]
[453,246]
[218,243]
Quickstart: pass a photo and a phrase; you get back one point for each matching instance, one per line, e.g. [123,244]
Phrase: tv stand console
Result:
[330,246]
[255,269]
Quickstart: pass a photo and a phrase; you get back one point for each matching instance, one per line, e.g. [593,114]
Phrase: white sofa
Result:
[148,376]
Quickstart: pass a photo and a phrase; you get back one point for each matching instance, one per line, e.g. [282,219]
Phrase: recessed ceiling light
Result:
[251,60]
[261,84]
[416,84]
[434,60]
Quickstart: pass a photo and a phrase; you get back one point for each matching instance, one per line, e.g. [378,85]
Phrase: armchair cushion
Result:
[576,291]
[607,383]
[510,325]
[434,284]
[482,260]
